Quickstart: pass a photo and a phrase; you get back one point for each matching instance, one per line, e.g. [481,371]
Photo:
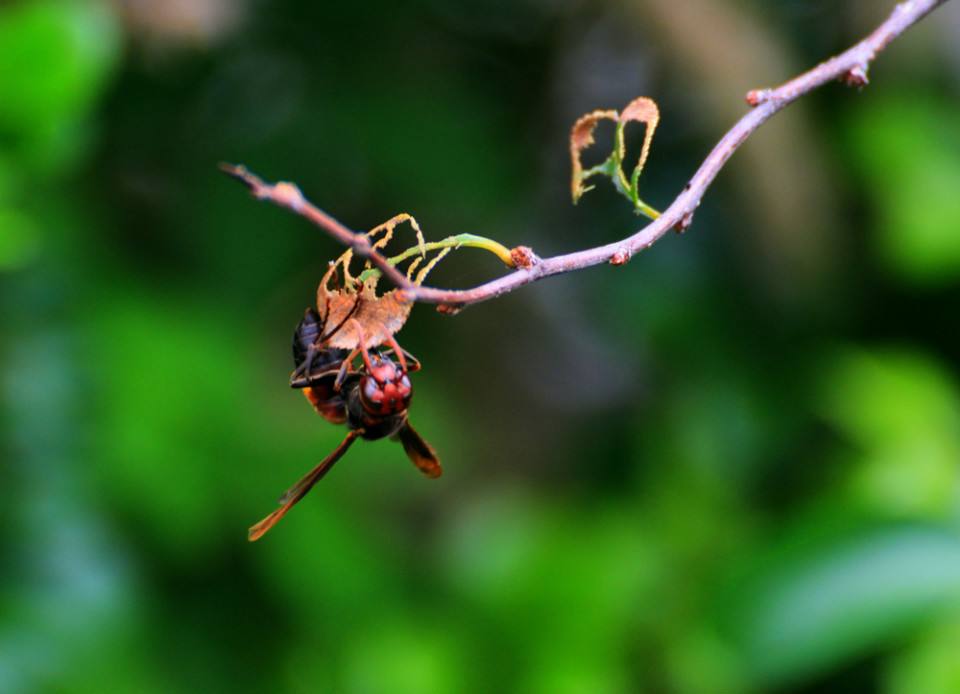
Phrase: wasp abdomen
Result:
[306,335]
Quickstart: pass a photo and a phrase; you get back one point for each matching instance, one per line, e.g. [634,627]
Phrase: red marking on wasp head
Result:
[383,371]
[385,390]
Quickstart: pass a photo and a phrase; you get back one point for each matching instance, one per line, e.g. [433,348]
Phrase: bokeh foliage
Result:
[686,475]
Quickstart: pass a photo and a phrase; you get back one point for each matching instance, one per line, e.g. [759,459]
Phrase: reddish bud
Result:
[755,97]
[449,309]
[620,257]
[856,76]
[684,223]
[289,195]
[523,257]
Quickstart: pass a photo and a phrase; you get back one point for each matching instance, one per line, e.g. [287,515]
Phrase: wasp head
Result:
[385,388]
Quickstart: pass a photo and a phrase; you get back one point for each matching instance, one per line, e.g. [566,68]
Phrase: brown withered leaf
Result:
[641,110]
[581,137]
[379,316]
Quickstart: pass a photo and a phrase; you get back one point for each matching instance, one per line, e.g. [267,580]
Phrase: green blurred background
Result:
[730,466]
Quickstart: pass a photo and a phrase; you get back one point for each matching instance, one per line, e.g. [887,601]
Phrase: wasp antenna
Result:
[392,341]
[362,344]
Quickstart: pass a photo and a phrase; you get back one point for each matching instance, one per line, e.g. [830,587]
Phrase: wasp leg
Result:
[302,487]
[413,364]
[345,368]
[362,345]
[398,351]
[301,374]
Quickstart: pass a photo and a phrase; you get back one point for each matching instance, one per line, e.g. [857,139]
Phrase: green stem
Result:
[645,209]
[458,241]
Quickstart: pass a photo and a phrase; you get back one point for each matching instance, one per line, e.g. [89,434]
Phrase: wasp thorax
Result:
[385,389]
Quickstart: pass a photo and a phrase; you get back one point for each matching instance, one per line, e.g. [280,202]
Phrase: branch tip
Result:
[240,173]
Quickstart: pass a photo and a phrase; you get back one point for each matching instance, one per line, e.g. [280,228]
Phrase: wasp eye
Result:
[385,390]
[404,390]
[383,370]
[370,392]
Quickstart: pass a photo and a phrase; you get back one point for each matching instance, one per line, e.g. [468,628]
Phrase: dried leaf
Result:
[581,137]
[641,110]
[379,316]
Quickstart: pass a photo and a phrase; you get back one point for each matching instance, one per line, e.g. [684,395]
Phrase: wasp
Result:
[371,399]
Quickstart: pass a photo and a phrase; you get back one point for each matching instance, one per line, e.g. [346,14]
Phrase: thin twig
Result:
[289,196]
[850,66]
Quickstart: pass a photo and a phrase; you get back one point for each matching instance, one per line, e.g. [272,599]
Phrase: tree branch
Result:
[289,196]
[850,66]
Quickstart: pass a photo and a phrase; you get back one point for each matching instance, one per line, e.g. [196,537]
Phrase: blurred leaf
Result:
[404,656]
[903,412]
[887,397]
[54,58]
[916,480]
[929,665]
[349,562]
[167,432]
[567,585]
[9,177]
[718,427]
[19,239]
[702,663]
[817,603]
[909,152]
[563,672]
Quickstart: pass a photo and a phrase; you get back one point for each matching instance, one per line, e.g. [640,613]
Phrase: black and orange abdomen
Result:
[328,403]
[315,369]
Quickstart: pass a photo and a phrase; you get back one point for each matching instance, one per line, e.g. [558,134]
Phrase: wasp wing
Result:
[419,451]
[301,488]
